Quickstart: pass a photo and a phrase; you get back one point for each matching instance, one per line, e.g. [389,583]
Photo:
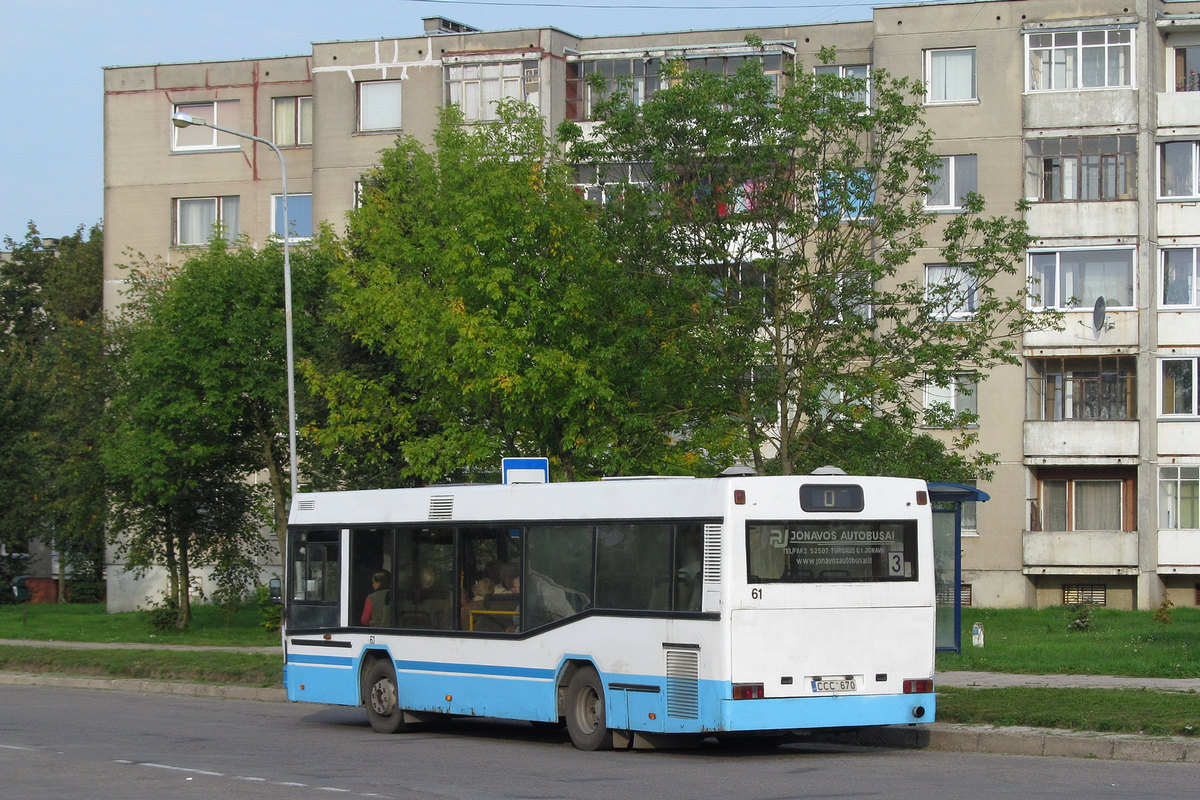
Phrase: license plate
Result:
[839,685]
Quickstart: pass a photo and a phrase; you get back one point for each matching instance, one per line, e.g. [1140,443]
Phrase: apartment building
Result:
[1087,109]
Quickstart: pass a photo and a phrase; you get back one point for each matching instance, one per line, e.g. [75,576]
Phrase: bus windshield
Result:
[831,551]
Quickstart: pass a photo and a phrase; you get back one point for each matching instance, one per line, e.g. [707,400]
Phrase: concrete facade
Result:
[1085,108]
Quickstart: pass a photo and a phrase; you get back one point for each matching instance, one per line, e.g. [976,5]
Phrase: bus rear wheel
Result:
[587,720]
[380,695]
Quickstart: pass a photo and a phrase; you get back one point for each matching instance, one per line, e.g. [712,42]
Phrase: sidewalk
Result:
[947,737]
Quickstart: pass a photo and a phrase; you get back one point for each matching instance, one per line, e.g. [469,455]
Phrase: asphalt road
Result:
[62,742]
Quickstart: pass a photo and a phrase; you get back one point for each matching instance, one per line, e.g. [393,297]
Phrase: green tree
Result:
[784,218]
[199,405]
[489,317]
[52,379]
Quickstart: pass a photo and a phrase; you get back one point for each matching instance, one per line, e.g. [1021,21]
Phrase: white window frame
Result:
[276,208]
[954,171]
[471,86]
[295,127]
[930,92]
[205,138]
[955,395]
[1075,52]
[1191,279]
[860,71]
[1062,303]
[1192,406]
[221,213]
[366,117]
[1172,482]
[969,290]
[1193,189]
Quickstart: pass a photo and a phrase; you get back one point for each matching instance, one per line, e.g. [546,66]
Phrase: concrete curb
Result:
[272,694]
[1022,741]
[1011,741]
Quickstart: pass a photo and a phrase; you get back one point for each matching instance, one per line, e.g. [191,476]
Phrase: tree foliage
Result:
[199,406]
[490,318]
[52,383]
[785,217]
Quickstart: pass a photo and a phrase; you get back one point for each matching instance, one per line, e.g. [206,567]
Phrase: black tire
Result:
[587,721]
[379,696]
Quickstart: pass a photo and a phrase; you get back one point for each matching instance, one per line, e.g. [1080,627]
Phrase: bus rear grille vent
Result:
[712,553]
[306,505]
[441,507]
[683,684]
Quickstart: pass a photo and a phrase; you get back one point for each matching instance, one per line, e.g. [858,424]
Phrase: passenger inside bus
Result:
[377,610]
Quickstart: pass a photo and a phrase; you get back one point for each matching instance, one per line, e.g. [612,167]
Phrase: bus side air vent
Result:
[441,506]
[712,553]
[683,684]
[306,505]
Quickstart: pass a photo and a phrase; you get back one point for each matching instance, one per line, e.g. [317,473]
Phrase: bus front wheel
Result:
[587,721]
[379,692]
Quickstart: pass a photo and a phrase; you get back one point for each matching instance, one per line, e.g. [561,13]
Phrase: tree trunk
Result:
[185,595]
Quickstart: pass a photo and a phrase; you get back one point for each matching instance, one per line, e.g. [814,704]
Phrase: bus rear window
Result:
[831,551]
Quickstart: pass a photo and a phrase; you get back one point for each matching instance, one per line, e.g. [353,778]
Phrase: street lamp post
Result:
[181,120]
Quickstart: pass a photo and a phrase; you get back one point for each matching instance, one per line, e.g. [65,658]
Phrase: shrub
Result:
[1162,614]
[1081,619]
[271,611]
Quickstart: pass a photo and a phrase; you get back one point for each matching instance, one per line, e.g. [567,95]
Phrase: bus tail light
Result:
[922,686]
[748,691]
[922,498]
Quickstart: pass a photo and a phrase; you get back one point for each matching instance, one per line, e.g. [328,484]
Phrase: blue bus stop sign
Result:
[525,470]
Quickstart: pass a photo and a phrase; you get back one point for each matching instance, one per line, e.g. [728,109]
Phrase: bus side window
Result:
[689,566]
[558,573]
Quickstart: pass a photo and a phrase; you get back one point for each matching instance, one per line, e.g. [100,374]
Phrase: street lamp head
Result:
[182,120]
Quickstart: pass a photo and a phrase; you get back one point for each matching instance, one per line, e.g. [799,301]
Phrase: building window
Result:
[969,522]
[1078,594]
[1076,279]
[1103,388]
[292,121]
[1095,501]
[300,213]
[847,197]
[1177,386]
[202,137]
[945,405]
[956,177]
[1187,69]
[950,75]
[952,289]
[636,76]
[198,218]
[1177,164]
[1081,168]
[478,87]
[1179,277]
[1094,59]
[860,72]
[596,183]
[379,105]
[1179,497]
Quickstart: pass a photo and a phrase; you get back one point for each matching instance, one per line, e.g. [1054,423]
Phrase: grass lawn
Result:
[88,622]
[1117,643]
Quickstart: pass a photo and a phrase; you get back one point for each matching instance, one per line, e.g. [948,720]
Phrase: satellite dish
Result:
[1098,313]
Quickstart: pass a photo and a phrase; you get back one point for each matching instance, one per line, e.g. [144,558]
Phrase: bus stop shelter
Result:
[947,500]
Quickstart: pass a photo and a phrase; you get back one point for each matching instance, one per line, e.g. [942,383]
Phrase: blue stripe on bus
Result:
[475,669]
[334,661]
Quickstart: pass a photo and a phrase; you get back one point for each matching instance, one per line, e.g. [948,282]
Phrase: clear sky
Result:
[51,82]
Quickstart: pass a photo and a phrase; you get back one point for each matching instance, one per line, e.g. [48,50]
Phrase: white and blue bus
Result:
[629,609]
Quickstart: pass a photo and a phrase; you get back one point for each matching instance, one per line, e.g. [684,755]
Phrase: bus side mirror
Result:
[275,590]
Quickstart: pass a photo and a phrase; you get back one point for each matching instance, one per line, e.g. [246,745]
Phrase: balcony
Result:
[1079,552]
[1178,552]
[1080,408]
